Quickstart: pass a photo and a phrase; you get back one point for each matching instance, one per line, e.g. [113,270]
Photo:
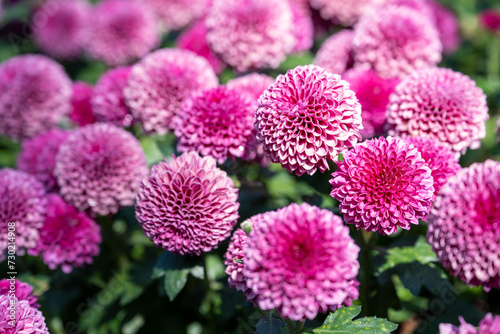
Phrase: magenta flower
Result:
[195,39]
[161,81]
[395,42]
[68,238]
[38,156]
[234,269]
[373,94]
[383,184]
[60,27]
[489,325]
[463,224]
[81,113]
[442,104]
[187,205]
[22,202]
[121,31]
[253,84]
[36,93]
[251,34]
[335,54]
[28,319]
[307,117]
[303,29]
[23,291]
[447,25]
[300,260]
[99,168]
[490,19]
[217,122]
[442,162]
[108,102]
[346,12]
[177,14]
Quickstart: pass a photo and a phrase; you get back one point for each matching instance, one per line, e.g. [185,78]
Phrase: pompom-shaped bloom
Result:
[108,102]
[60,27]
[439,158]
[27,319]
[99,168]
[307,117]
[346,12]
[36,93]
[442,104]
[216,122]
[447,25]
[488,325]
[303,29]
[176,14]
[395,42]
[22,202]
[38,156]
[21,290]
[68,238]
[490,19]
[463,225]
[335,54]
[373,94]
[195,39]
[187,205]
[161,81]
[383,184]
[301,260]
[81,113]
[251,34]
[121,31]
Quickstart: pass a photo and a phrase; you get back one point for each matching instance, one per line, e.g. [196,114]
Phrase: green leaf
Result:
[269,325]
[175,280]
[341,322]
[415,275]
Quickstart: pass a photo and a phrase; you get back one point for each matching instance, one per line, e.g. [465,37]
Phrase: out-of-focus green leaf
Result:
[269,325]
[174,281]
[415,275]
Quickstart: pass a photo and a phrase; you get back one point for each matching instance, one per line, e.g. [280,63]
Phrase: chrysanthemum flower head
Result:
[177,14]
[81,114]
[36,93]
[22,202]
[447,25]
[346,13]
[463,224]
[307,117]
[395,42]
[300,260]
[99,168]
[335,54]
[28,319]
[68,238]
[60,27]
[38,156]
[187,205]
[383,184]
[121,31]
[23,291]
[442,104]
[108,102]
[161,81]
[490,324]
[303,29]
[251,34]
[490,19]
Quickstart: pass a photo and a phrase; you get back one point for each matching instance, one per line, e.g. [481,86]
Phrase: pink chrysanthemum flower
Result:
[27,319]
[23,291]
[335,54]
[442,104]
[488,325]
[22,202]
[81,113]
[395,42]
[161,81]
[38,156]
[68,238]
[251,34]
[463,224]
[490,19]
[307,117]
[217,122]
[36,93]
[177,14]
[99,168]
[447,25]
[195,39]
[303,29]
[347,13]
[300,260]
[60,27]
[439,158]
[187,205]
[121,31]
[373,94]
[108,102]
[383,184]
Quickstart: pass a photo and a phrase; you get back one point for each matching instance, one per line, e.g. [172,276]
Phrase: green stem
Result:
[208,286]
[493,63]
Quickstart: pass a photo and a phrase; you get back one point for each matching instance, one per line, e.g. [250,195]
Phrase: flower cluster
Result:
[23,291]
[488,325]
